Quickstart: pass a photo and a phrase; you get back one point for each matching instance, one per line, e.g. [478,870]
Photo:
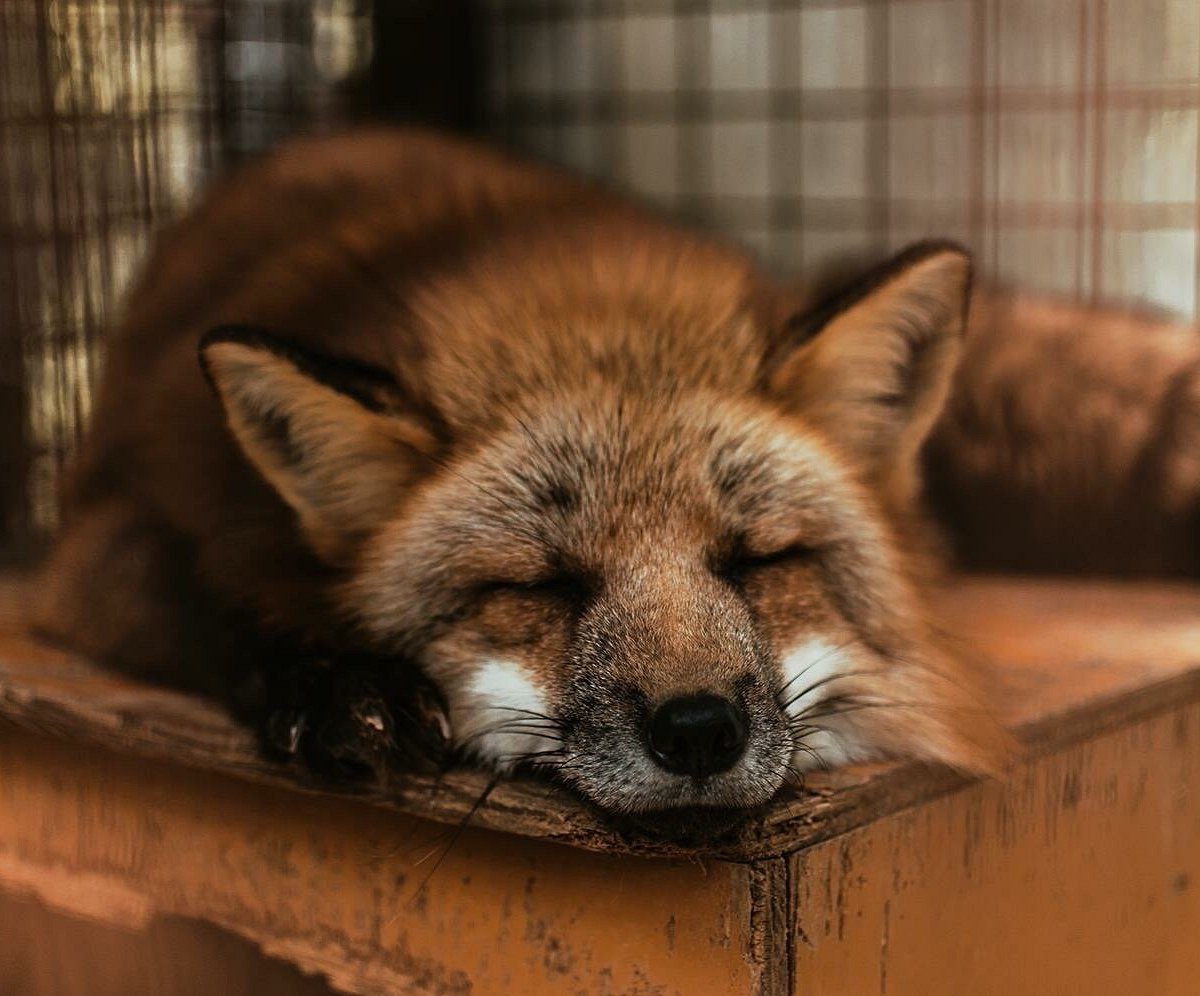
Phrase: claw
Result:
[294,733]
[285,730]
[373,722]
[430,708]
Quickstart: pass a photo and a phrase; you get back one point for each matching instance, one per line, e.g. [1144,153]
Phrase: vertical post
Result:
[426,65]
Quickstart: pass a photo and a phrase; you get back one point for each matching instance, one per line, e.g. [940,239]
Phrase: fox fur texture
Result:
[397,425]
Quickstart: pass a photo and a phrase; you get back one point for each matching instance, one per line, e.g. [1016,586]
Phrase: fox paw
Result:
[344,721]
[334,719]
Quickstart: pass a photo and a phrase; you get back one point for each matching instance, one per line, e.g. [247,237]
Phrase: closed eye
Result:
[742,564]
[567,588]
[560,592]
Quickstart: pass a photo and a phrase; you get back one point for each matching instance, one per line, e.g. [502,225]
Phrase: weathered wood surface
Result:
[376,902]
[1076,874]
[1075,659]
[1081,875]
[46,953]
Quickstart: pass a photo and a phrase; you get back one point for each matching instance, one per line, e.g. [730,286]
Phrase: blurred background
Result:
[1056,138]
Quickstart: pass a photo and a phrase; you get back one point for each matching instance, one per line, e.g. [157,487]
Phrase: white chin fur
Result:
[502,694]
[810,670]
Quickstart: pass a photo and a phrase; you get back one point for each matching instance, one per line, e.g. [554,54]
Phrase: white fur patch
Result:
[493,720]
[811,670]
[809,673]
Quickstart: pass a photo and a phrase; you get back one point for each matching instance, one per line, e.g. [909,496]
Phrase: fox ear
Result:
[872,367]
[330,436]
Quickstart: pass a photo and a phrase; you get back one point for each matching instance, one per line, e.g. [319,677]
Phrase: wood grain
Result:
[377,902]
[1081,875]
[45,953]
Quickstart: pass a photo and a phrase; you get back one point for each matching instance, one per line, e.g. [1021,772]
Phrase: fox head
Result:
[673,596]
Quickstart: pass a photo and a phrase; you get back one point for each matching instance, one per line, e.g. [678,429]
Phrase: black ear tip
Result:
[371,386]
[927,249]
[804,326]
[246,335]
[959,284]
[932,247]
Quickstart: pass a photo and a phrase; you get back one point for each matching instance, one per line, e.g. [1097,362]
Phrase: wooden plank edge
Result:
[830,805]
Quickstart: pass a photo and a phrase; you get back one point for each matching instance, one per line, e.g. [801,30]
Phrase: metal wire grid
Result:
[112,113]
[1057,139]
[282,65]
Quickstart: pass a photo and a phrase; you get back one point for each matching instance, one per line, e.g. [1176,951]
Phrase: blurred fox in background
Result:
[390,404]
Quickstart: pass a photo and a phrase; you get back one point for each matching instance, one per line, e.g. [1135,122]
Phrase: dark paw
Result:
[334,718]
[346,721]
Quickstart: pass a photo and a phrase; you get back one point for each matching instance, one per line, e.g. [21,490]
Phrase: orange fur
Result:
[549,447]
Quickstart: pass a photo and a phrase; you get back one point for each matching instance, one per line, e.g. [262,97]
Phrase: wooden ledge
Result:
[1076,659]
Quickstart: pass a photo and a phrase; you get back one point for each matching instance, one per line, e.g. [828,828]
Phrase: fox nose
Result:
[698,734]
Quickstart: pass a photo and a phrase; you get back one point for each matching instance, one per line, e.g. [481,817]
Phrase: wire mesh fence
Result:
[112,114]
[1058,140]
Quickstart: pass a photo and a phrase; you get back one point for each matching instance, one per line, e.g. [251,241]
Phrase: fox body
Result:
[645,518]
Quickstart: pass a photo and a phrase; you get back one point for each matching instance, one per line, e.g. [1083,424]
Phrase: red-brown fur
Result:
[587,433]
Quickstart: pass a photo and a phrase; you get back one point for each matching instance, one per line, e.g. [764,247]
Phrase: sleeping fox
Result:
[393,419]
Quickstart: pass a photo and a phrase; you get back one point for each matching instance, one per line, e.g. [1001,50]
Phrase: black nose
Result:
[697,735]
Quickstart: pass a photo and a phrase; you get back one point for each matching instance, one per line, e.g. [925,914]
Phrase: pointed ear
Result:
[871,368]
[332,437]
